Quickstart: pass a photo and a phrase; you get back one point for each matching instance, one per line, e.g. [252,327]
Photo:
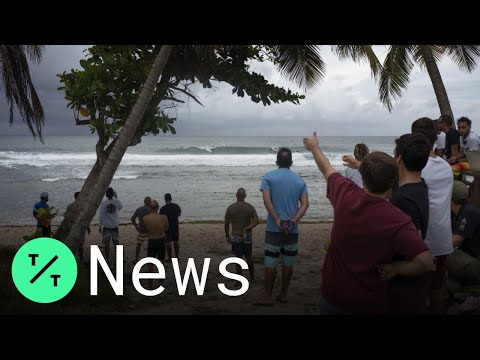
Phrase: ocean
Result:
[202,173]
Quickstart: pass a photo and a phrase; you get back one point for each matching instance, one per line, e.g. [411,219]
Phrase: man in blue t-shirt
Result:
[42,224]
[283,191]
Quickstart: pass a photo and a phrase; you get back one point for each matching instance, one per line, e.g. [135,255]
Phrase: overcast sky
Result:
[345,103]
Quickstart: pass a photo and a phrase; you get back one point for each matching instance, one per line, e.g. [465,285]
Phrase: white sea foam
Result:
[12,159]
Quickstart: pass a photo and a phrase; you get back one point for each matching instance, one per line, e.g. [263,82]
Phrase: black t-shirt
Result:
[467,224]
[172,211]
[452,138]
[412,199]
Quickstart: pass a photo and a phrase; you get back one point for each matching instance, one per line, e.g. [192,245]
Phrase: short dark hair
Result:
[379,172]
[168,197]
[414,150]
[284,157]
[426,127]
[447,119]
[109,193]
[465,120]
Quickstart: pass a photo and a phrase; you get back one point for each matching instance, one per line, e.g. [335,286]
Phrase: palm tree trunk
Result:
[437,82]
[74,213]
[118,150]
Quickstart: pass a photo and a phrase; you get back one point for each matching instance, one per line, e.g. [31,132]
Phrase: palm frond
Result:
[359,53]
[35,52]
[465,56]
[301,64]
[19,88]
[437,50]
[395,74]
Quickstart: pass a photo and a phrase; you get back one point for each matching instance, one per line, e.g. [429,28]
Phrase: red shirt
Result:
[367,231]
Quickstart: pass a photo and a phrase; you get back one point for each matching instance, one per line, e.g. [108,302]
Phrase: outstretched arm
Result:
[311,144]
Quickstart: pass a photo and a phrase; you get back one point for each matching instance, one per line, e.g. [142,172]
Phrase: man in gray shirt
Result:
[109,220]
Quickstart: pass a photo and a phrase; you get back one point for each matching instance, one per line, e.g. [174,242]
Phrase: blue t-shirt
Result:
[285,187]
[38,206]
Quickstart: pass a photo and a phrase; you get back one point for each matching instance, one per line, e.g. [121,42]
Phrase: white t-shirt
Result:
[439,178]
[471,142]
[440,143]
[355,176]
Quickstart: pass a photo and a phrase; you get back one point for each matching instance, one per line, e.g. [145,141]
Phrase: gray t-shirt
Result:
[109,213]
[140,213]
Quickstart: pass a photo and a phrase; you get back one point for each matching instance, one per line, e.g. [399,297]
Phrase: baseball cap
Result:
[460,192]
[44,195]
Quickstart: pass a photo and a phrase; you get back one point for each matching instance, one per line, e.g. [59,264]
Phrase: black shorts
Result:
[156,248]
[172,234]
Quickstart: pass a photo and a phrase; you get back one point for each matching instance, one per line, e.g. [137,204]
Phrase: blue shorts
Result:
[277,243]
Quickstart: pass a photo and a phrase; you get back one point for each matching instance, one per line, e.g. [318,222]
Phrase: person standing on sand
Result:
[173,212]
[282,191]
[109,221]
[243,218]
[140,227]
[367,233]
[82,232]
[156,226]
[42,224]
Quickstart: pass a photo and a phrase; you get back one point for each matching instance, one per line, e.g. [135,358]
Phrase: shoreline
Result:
[194,222]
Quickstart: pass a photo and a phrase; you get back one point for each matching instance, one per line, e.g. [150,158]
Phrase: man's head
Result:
[76,194]
[109,193]
[168,198]
[360,151]
[241,194]
[147,201]
[444,122]
[154,205]
[412,150]
[460,193]
[284,158]
[426,127]
[464,126]
[379,172]
[44,196]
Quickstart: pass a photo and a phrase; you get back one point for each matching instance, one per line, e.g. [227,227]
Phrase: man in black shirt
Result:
[407,294]
[173,212]
[452,138]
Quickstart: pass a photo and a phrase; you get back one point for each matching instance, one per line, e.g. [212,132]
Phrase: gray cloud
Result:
[345,103]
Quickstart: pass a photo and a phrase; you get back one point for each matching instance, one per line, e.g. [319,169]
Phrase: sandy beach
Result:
[207,240]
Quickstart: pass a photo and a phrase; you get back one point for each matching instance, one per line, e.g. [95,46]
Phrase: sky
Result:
[345,103]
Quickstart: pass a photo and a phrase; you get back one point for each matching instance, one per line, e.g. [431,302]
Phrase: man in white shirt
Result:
[439,179]
[469,141]
[439,146]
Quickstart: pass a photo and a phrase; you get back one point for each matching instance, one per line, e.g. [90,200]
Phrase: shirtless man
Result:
[156,225]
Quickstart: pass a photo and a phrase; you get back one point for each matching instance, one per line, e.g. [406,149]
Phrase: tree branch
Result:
[187,93]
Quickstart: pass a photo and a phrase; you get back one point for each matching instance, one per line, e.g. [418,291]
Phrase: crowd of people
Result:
[402,223]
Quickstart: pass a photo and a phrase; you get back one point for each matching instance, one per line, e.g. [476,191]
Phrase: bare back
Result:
[156,225]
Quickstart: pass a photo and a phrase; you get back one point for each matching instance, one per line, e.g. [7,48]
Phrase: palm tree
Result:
[18,85]
[401,59]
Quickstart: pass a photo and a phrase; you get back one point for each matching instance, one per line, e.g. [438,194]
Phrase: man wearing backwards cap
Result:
[42,224]
[464,263]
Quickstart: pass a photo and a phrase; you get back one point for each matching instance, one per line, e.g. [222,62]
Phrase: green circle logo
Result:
[44,270]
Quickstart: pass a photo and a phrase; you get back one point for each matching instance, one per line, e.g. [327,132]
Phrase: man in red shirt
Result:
[367,233]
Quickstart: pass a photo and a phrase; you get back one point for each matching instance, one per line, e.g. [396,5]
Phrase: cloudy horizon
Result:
[345,103]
